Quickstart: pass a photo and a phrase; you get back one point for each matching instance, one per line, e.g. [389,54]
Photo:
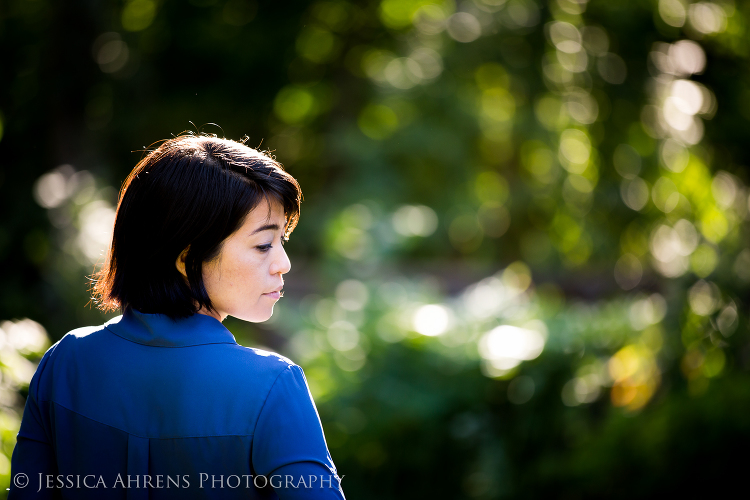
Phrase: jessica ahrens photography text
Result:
[180,481]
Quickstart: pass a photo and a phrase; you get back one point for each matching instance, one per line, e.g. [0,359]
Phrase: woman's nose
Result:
[281,264]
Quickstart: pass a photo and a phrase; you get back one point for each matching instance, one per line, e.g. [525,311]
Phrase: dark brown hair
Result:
[191,192]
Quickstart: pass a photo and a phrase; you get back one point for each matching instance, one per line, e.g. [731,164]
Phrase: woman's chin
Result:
[255,316]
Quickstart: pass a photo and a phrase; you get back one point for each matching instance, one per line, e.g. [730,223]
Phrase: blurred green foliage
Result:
[522,268]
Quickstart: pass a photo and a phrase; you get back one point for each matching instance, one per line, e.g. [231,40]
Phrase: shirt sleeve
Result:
[33,456]
[289,447]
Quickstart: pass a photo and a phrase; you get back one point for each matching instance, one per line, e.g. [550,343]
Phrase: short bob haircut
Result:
[191,192]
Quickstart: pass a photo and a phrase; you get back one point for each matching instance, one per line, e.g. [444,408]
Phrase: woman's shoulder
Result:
[264,359]
[72,337]
[264,353]
[60,351]
[78,336]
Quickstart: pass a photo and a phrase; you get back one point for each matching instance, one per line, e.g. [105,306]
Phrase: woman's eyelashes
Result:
[265,248]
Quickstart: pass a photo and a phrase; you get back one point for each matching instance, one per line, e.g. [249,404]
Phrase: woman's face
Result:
[245,279]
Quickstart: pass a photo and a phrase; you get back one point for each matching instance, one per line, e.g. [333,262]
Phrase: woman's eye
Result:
[268,246]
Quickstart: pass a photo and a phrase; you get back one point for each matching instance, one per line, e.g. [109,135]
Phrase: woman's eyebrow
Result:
[267,227]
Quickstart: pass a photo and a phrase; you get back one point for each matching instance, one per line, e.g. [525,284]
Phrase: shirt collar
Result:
[160,330]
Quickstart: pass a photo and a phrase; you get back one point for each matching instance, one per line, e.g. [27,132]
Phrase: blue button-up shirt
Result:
[149,407]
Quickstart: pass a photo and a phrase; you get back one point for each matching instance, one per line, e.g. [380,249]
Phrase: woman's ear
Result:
[180,262]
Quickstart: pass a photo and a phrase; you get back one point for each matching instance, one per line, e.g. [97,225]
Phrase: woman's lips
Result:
[274,295]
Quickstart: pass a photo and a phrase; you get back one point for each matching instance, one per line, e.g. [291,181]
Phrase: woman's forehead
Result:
[268,211]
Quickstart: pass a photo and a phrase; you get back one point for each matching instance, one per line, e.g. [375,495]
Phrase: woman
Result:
[161,402]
